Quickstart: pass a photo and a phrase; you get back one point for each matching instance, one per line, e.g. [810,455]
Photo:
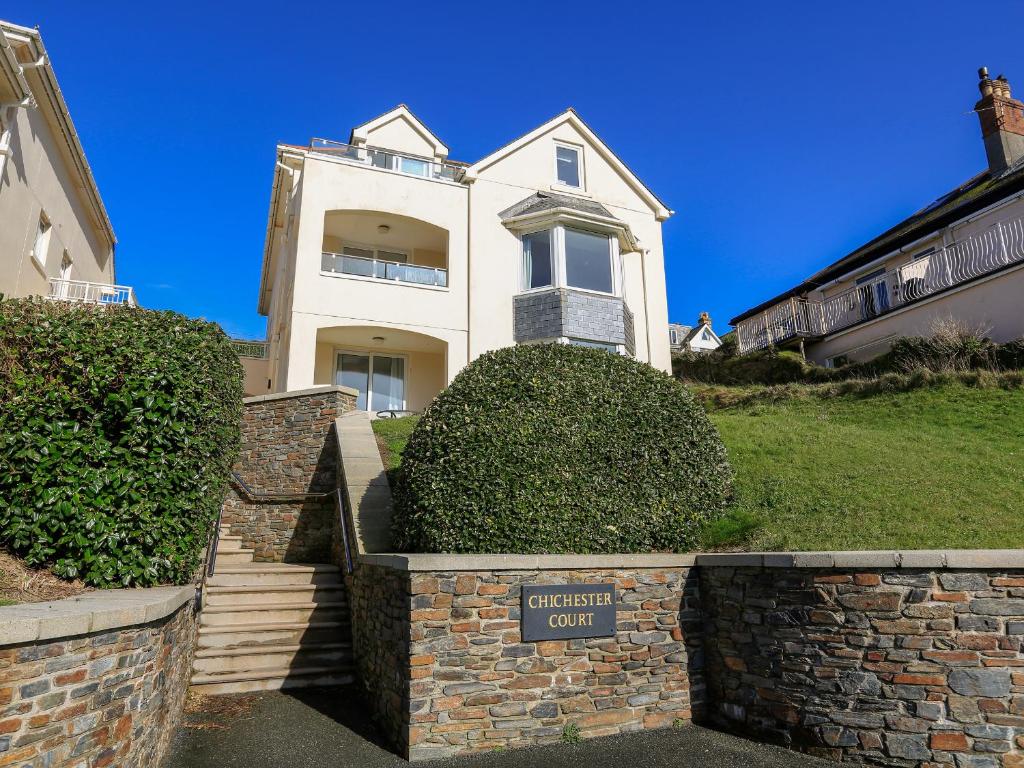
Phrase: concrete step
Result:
[282,593]
[272,613]
[235,557]
[228,544]
[219,661]
[271,680]
[273,634]
[270,574]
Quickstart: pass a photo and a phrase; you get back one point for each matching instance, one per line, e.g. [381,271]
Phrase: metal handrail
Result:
[338,499]
[386,159]
[382,269]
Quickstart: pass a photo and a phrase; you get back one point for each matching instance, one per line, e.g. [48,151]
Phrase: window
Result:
[588,262]
[537,260]
[42,241]
[567,166]
[606,346]
[379,379]
[706,336]
[672,337]
[569,258]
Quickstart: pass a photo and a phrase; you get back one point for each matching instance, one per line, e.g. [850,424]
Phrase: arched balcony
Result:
[375,246]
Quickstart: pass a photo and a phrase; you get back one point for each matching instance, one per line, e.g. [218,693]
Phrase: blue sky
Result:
[782,134]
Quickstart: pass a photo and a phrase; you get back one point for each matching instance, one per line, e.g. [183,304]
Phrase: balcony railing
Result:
[246,348]
[84,292]
[411,165]
[396,271]
[973,257]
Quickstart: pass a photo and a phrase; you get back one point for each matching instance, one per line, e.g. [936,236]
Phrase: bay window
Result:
[564,257]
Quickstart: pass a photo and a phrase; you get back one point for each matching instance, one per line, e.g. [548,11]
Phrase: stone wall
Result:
[441,653]
[888,666]
[562,312]
[288,447]
[380,610]
[110,697]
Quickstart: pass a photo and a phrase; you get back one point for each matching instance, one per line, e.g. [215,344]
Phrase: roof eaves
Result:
[58,107]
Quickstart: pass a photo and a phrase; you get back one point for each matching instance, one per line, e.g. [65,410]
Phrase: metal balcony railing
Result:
[411,165]
[395,271]
[999,246]
[246,348]
[85,292]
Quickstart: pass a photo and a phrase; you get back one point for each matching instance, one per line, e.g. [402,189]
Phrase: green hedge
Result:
[555,448]
[946,353]
[118,430]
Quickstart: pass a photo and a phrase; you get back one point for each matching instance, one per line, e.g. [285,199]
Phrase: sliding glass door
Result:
[379,379]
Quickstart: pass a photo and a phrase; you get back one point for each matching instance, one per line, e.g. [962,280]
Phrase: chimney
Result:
[1002,122]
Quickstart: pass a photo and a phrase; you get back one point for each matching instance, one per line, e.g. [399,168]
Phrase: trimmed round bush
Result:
[118,430]
[554,448]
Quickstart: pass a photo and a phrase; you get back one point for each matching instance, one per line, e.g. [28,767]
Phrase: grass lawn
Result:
[392,435]
[930,468]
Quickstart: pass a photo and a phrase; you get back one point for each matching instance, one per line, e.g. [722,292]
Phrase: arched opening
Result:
[385,246]
[392,369]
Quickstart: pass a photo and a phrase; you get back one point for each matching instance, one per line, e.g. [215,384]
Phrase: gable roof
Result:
[661,211]
[359,133]
[973,195]
[699,329]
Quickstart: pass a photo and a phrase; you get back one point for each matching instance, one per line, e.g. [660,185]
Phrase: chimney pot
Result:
[983,73]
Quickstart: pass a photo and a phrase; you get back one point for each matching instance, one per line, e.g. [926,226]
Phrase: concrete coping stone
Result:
[98,611]
[916,558]
[443,562]
[301,393]
[912,558]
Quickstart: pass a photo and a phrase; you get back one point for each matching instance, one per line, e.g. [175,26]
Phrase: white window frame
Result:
[41,242]
[371,353]
[559,271]
[578,149]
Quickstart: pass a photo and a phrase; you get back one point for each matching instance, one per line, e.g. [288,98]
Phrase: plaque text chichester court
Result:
[565,611]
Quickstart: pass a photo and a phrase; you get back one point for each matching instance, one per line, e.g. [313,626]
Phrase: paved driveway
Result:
[329,728]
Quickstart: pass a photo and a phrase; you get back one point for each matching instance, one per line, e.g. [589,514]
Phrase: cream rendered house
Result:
[56,239]
[961,258]
[388,266]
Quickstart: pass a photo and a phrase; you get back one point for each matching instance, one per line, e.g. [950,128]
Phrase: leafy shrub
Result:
[117,434]
[767,366]
[555,448]
[951,349]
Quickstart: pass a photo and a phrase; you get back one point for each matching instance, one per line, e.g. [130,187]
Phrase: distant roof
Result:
[545,201]
[976,193]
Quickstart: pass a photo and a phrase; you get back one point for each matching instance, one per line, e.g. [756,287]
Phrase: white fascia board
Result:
[282,155]
[573,215]
[661,213]
[11,69]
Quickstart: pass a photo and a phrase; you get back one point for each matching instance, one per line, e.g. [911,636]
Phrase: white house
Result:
[56,239]
[389,266]
[696,338]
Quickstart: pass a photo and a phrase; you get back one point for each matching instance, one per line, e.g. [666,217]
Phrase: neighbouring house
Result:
[959,258]
[696,338]
[56,239]
[388,266]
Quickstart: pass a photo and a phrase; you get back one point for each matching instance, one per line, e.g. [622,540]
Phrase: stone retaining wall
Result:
[288,446]
[889,666]
[98,680]
[448,672]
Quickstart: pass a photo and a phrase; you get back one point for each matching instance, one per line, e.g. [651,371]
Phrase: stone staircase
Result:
[266,626]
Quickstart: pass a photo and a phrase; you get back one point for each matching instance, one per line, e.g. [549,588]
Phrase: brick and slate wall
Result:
[110,698]
[448,672]
[288,446]
[559,312]
[889,667]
